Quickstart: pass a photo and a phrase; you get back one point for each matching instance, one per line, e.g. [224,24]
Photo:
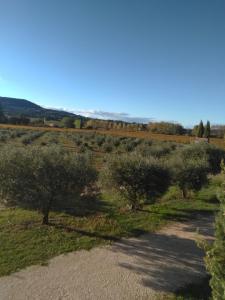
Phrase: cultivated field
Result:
[150,182]
[183,139]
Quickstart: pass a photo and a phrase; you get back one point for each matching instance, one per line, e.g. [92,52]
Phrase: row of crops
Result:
[83,142]
[96,145]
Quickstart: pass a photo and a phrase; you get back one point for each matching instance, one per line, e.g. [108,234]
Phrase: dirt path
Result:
[134,268]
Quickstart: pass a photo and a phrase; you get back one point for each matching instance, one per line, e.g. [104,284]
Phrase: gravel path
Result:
[130,269]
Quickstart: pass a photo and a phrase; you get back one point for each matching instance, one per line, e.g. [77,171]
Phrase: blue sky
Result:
[160,59]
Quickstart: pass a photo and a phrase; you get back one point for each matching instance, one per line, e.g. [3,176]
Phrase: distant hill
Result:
[14,107]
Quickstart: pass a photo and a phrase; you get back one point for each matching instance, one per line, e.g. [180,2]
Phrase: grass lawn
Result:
[24,242]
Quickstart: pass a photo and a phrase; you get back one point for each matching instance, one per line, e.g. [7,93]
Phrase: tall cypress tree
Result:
[200,131]
[207,130]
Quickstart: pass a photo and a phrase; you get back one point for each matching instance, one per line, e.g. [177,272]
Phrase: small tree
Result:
[200,131]
[215,256]
[137,178]
[41,178]
[78,123]
[207,130]
[203,151]
[189,174]
[67,122]
[194,131]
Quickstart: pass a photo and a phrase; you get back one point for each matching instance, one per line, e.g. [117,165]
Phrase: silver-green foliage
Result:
[40,177]
[203,151]
[189,174]
[136,178]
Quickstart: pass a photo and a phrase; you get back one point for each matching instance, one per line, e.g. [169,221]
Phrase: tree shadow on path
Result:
[166,262]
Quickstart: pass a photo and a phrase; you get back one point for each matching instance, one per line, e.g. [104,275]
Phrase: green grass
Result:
[24,241]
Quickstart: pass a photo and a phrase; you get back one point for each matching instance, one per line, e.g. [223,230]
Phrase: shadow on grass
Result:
[85,232]
[170,216]
[85,206]
[195,212]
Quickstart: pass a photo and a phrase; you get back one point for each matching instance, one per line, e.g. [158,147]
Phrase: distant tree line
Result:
[154,127]
[79,122]
[166,128]
[69,122]
[218,131]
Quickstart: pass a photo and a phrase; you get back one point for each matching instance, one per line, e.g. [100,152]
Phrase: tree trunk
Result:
[135,205]
[45,218]
[184,193]
[45,211]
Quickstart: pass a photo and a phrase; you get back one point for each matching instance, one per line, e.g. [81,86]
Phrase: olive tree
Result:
[203,151]
[136,178]
[39,178]
[189,174]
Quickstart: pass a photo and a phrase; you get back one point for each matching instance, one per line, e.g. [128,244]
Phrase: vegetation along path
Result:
[135,268]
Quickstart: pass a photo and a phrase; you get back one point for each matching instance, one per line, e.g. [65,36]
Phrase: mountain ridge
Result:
[14,107]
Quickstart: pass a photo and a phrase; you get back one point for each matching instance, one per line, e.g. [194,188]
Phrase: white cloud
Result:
[105,115]
[119,116]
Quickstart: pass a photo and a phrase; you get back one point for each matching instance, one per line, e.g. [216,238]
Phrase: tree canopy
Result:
[42,177]
[200,130]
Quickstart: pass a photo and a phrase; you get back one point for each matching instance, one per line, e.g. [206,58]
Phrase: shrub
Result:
[53,140]
[215,258]
[78,142]
[31,136]
[26,141]
[3,138]
[116,142]
[136,178]
[41,177]
[173,193]
[86,137]
[108,147]
[129,146]
[156,149]
[100,140]
[109,139]
[159,150]
[83,149]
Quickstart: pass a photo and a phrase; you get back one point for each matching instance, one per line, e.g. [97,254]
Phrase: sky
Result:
[141,59]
